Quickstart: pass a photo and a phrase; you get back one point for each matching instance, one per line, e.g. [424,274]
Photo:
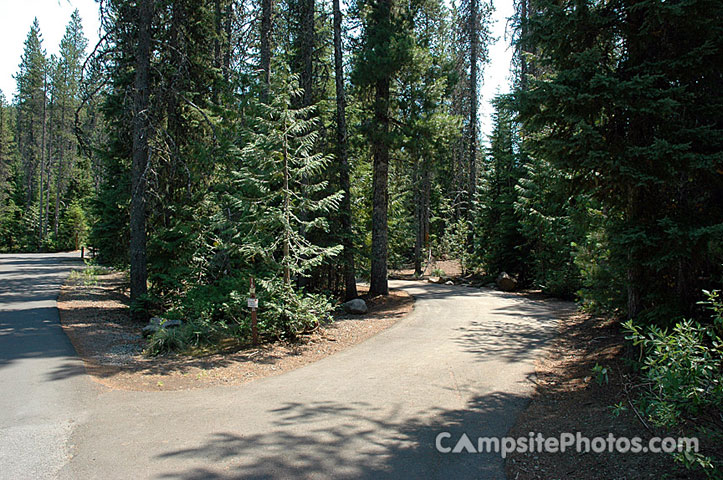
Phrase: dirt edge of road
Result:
[572,397]
[94,315]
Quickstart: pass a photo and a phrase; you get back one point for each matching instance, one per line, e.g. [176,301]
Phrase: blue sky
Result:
[16,16]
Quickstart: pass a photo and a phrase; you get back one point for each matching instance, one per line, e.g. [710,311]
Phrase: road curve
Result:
[461,362]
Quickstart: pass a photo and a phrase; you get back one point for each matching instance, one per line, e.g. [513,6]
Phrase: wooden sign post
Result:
[253,304]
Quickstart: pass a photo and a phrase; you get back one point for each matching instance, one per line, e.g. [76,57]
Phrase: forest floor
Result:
[451,268]
[571,397]
[94,315]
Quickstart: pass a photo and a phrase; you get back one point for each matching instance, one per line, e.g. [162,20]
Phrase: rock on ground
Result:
[356,305]
[506,282]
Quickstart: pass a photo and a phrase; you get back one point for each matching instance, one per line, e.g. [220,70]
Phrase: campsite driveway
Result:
[461,362]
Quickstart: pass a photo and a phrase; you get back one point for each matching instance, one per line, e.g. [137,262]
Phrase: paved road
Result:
[461,363]
[38,405]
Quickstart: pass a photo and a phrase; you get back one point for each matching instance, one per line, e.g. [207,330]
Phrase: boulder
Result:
[506,282]
[356,305]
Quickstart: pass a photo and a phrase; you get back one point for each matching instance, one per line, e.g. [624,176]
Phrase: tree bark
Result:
[228,23]
[379,284]
[523,44]
[141,127]
[350,290]
[307,50]
[473,84]
[265,53]
[287,213]
[42,160]
[418,216]
[59,177]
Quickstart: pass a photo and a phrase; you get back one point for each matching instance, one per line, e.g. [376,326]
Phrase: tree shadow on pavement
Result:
[514,332]
[310,441]
[29,325]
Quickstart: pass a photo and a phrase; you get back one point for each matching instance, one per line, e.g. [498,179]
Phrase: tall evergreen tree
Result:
[502,245]
[385,48]
[627,109]
[141,132]
[65,80]
[342,155]
[31,101]
[476,18]
[265,45]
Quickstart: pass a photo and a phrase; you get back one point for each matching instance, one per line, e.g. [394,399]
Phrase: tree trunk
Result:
[418,219]
[228,19]
[379,284]
[217,41]
[47,199]
[634,272]
[265,53]
[59,176]
[426,202]
[48,167]
[342,155]
[307,50]
[287,213]
[141,127]
[523,44]
[42,160]
[473,84]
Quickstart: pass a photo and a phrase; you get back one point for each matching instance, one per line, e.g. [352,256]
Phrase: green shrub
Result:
[683,367]
[683,371]
[194,333]
[167,340]
[289,313]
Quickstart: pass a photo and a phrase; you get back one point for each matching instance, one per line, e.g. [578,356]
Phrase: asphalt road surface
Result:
[461,362]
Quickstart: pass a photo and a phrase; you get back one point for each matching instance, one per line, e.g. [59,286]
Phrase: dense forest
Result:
[308,144]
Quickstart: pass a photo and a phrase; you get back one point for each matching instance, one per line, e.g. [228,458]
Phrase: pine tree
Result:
[342,154]
[11,235]
[265,45]
[429,128]
[476,35]
[141,132]
[502,246]
[65,81]
[385,48]
[280,161]
[5,151]
[626,108]
[31,101]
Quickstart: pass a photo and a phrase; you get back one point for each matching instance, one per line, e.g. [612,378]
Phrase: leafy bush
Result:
[683,370]
[683,367]
[289,313]
[190,334]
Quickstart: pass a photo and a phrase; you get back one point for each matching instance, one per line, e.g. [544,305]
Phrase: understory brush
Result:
[209,317]
[682,388]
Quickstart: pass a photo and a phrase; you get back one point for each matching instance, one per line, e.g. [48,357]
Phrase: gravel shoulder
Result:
[94,315]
